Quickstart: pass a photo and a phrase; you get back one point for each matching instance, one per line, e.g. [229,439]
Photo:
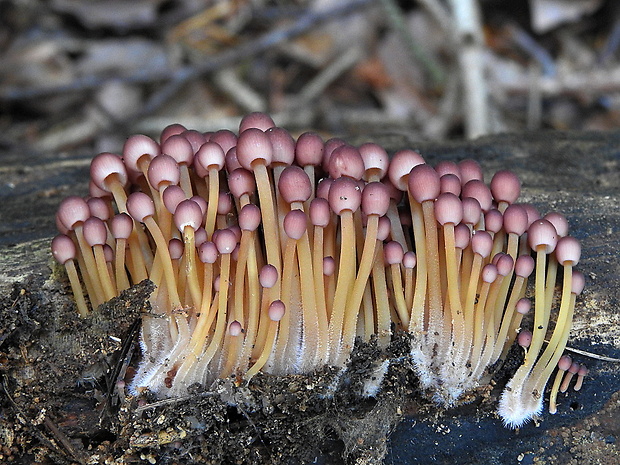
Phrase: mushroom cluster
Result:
[273,254]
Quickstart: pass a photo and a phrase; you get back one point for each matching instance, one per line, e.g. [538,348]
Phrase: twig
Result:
[611,45]
[527,43]
[59,435]
[238,91]
[470,53]
[64,440]
[438,125]
[534,101]
[592,355]
[318,84]
[589,82]
[120,368]
[432,67]
[439,13]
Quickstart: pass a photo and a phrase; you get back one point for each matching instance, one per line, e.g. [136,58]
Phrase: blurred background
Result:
[83,74]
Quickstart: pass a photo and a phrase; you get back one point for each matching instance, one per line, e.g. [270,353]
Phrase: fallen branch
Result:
[590,82]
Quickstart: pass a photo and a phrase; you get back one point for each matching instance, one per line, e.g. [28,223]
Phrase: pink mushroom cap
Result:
[63,249]
[346,161]
[295,224]
[309,149]
[188,213]
[344,194]
[254,147]
[249,217]
[568,251]
[401,165]
[448,209]
[256,120]
[294,184]
[209,155]
[276,310]
[107,165]
[542,233]
[268,276]
[283,146]
[505,186]
[73,211]
[95,231]
[375,158]
[137,148]
[179,148]
[121,226]
[423,183]
[140,206]
[375,199]
[163,170]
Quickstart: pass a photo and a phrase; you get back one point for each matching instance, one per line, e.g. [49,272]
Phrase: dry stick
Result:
[417,53]
[48,423]
[316,87]
[591,355]
[470,41]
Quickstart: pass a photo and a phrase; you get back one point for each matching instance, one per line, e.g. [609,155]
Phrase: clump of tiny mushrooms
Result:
[273,254]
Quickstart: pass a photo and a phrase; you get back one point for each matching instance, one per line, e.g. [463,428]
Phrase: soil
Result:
[61,404]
